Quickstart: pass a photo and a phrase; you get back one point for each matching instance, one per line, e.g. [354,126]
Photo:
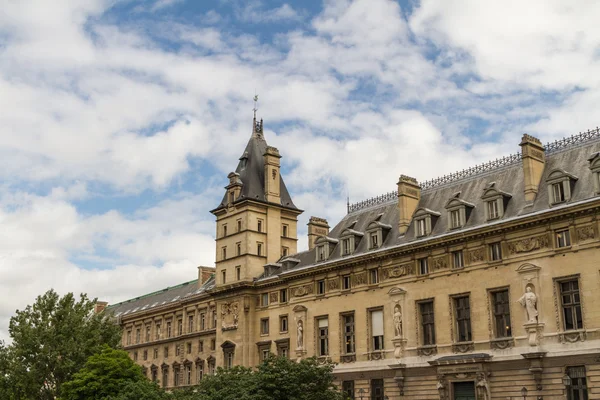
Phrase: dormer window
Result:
[350,239]
[458,212]
[324,247]
[377,232]
[560,183]
[495,202]
[594,161]
[424,219]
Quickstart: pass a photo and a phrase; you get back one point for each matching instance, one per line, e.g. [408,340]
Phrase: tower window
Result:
[284,231]
[238,273]
[231,197]
[224,229]
[238,249]
[224,253]
[259,225]
[239,225]
[259,249]
[224,274]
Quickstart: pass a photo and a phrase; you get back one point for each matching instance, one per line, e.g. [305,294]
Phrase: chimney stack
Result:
[409,194]
[316,227]
[204,274]
[534,158]
[100,306]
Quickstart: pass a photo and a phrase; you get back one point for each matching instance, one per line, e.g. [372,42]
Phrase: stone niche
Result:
[396,310]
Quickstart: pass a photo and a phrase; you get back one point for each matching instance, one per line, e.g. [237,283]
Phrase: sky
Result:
[120,120]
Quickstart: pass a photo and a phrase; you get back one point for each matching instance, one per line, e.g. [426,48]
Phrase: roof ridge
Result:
[556,146]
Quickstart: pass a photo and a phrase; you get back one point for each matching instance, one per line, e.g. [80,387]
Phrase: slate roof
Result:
[251,169]
[160,298]
[507,178]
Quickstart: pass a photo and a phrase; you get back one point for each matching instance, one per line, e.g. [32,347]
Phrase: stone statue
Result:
[483,388]
[529,301]
[300,339]
[398,320]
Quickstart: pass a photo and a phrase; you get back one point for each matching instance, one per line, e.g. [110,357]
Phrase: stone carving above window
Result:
[333,284]
[586,233]
[302,290]
[273,297]
[528,244]
[477,255]
[229,315]
[359,279]
[440,263]
[397,271]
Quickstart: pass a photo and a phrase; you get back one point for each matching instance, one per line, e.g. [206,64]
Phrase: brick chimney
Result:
[534,159]
[204,274]
[100,306]
[409,194]
[316,227]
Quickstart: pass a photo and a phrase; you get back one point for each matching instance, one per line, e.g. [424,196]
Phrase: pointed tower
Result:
[256,220]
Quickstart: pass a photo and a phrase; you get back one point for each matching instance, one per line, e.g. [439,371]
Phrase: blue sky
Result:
[121,119]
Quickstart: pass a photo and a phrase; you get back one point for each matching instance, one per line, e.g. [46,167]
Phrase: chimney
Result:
[534,158]
[409,194]
[316,227]
[204,274]
[100,306]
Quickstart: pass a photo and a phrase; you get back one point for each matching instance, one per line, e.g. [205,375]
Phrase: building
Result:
[481,284]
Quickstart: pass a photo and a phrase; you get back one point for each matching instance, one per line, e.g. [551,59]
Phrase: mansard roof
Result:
[251,170]
[508,179]
[160,298]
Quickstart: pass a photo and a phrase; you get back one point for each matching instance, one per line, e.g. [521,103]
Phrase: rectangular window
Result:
[571,305]
[558,192]
[239,225]
[346,282]
[165,377]
[462,314]
[377,389]
[265,354]
[177,350]
[283,323]
[283,352]
[374,276]
[224,253]
[423,266]
[213,344]
[229,359]
[321,287]
[202,321]
[224,229]
[238,273]
[284,231]
[259,225]
[495,251]
[348,389]
[188,374]
[455,219]
[145,355]
[190,323]
[166,351]
[346,246]
[189,348]
[457,259]
[421,227]
[492,209]
[578,389]
[348,323]
[264,326]
[180,327]
[148,330]
[128,337]
[200,346]
[223,276]
[284,251]
[137,335]
[135,356]
[214,318]
[427,323]
[155,354]
[175,376]
[501,305]
[374,240]
[238,249]
[283,296]
[563,238]
[169,330]
[264,299]
[157,335]
[322,337]
[199,371]
[377,330]
[321,253]
[259,249]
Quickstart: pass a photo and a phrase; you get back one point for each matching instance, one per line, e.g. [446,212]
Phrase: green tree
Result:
[277,378]
[110,375]
[51,340]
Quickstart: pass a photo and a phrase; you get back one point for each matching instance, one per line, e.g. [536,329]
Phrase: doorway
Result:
[463,390]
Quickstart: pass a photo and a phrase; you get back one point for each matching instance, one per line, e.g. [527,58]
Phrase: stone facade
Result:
[480,303]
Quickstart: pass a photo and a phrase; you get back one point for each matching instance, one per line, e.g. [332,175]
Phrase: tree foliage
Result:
[277,378]
[51,341]
[110,375]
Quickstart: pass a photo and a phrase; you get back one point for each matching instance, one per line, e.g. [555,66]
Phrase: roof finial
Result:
[255,104]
